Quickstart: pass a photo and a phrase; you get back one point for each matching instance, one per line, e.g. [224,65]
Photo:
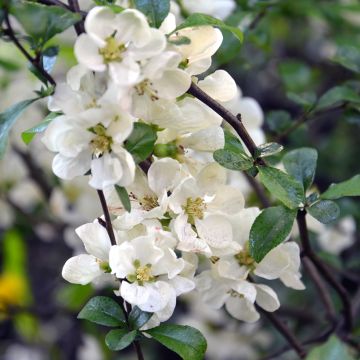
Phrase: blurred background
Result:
[294,52]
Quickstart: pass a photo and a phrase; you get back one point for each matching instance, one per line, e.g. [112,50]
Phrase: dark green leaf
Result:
[186,341]
[349,57]
[269,149]
[349,187]
[138,318]
[278,121]
[43,22]
[296,75]
[198,19]
[326,211]
[141,141]
[104,311]
[119,339]
[336,96]
[306,99]
[269,230]
[232,143]
[333,349]
[233,161]
[124,197]
[8,119]
[281,185]
[301,164]
[29,134]
[155,10]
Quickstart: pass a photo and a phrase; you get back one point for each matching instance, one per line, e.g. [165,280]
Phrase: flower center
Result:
[142,273]
[244,257]
[146,87]
[101,143]
[195,208]
[112,50]
[149,202]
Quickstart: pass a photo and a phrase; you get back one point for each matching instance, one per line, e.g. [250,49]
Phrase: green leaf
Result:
[349,57]
[333,349]
[186,341]
[198,19]
[232,143]
[124,197]
[141,141]
[269,149]
[119,339]
[301,164]
[278,121]
[155,10]
[337,95]
[8,119]
[349,187]
[233,161]
[138,318]
[104,311]
[181,40]
[43,22]
[306,99]
[326,211]
[29,134]
[296,75]
[284,187]
[270,229]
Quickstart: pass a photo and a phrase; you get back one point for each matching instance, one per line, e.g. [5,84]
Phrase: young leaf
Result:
[141,141]
[301,164]
[155,10]
[233,161]
[138,318]
[333,349]
[104,311]
[29,134]
[269,149]
[232,143]
[7,120]
[119,339]
[124,197]
[269,230]
[349,187]
[284,187]
[336,95]
[186,341]
[198,19]
[43,22]
[326,211]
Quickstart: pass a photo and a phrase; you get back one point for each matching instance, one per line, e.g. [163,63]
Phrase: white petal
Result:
[242,309]
[155,45]
[227,200]
[266,298]
[125,73]
[81,269]
[134,293]
[68,168]
[182,285]
[99,23]
[121,258]
[172,84]
[96,240]
[209,139]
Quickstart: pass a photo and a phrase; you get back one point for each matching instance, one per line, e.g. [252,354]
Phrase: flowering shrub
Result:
[171,147]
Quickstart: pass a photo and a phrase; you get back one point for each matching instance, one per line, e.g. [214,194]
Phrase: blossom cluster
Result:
[188,227]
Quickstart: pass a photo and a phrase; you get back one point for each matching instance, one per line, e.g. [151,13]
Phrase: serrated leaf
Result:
[155,10]
[119,339]
[8,119]
[333,349]
[233,161]
[270,229]
[269,149]
[301,164]
[281,185]
[326,211]
[124,197]
[349,187]
[28,135]
[43,22]
[138,318]
[337,95]
[186,341]
[198,19]
[104,311]
[141,141]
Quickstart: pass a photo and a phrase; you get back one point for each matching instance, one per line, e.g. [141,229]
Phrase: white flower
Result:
[152,274]
[220,9]
[84,268]
[118,42]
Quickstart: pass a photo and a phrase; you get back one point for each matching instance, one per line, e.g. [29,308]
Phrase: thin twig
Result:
[259,190]
[74,6]
[323,270]
[109,227]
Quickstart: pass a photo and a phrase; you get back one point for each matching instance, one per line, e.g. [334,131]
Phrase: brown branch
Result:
[74,6]
[323,270]
[109,227]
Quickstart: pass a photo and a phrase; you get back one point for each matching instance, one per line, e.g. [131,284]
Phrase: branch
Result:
[33,61]
[74,6]
[259,190]
[109,227]
[323,269]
